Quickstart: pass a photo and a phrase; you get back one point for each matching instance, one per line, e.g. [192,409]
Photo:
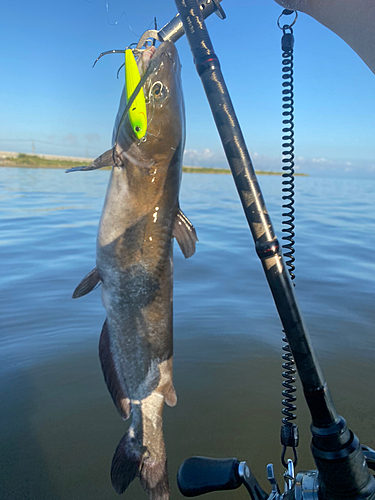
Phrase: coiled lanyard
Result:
[289,431]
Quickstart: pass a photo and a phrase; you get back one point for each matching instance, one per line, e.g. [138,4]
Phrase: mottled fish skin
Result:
[135,265]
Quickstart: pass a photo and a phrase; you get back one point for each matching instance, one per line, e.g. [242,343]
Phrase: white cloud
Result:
[217,159]
[203,158]
[212,158]
[320,160]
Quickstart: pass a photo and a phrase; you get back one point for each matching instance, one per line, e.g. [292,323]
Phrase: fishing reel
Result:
[199,475]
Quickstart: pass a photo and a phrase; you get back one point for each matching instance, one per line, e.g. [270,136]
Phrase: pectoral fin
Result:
[88,283]
[104,160]
[185,234]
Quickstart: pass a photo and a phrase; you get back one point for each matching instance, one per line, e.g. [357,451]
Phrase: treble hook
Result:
[148,34]
[156,29]
[108,52]
[118,71]
[114,51]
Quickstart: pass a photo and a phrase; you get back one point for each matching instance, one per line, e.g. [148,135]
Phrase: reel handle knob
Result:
[199,475]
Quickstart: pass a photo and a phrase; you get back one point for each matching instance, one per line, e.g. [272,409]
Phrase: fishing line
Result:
[123,13]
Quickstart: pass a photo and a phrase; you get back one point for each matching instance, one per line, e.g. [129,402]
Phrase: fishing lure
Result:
[137,112]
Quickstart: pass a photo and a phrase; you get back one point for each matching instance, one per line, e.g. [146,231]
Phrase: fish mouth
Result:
[156,54]
[145,59]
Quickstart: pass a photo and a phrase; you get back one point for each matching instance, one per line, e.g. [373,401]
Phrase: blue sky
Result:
[53,102]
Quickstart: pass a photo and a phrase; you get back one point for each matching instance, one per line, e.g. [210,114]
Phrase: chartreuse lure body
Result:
[137,113]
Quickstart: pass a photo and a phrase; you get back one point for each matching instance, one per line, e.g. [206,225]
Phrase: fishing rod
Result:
[342,462]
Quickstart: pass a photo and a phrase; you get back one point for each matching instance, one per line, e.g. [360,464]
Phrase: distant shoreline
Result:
[20,160]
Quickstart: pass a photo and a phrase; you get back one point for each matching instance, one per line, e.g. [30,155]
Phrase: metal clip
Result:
[287,12]
[289,476]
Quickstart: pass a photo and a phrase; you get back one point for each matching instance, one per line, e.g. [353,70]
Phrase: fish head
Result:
[165,135]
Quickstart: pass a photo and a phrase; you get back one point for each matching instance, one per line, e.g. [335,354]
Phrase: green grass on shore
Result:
[34,161]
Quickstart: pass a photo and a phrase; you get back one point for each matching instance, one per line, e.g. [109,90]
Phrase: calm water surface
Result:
[59,427]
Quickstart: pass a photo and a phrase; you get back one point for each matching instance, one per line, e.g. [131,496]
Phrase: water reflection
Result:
[59,426]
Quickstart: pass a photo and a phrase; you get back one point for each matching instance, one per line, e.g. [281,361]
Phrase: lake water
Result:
[59,427]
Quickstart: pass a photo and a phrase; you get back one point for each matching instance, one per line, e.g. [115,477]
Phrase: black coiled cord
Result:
[288,153]
[289,430]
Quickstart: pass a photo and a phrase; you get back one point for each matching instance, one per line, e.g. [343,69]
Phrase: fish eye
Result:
[159,91]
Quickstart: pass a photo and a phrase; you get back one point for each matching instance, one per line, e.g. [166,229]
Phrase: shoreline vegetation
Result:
[21,160]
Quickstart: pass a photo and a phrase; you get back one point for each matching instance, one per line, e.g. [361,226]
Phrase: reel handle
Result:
[199,475]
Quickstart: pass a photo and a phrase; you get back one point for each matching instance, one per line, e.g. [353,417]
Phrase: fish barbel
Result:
[141,215]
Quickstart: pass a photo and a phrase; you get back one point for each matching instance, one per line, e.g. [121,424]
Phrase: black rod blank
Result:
[266,244]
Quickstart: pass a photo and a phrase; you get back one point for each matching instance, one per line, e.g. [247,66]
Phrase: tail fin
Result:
[131,459]
[154,479]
